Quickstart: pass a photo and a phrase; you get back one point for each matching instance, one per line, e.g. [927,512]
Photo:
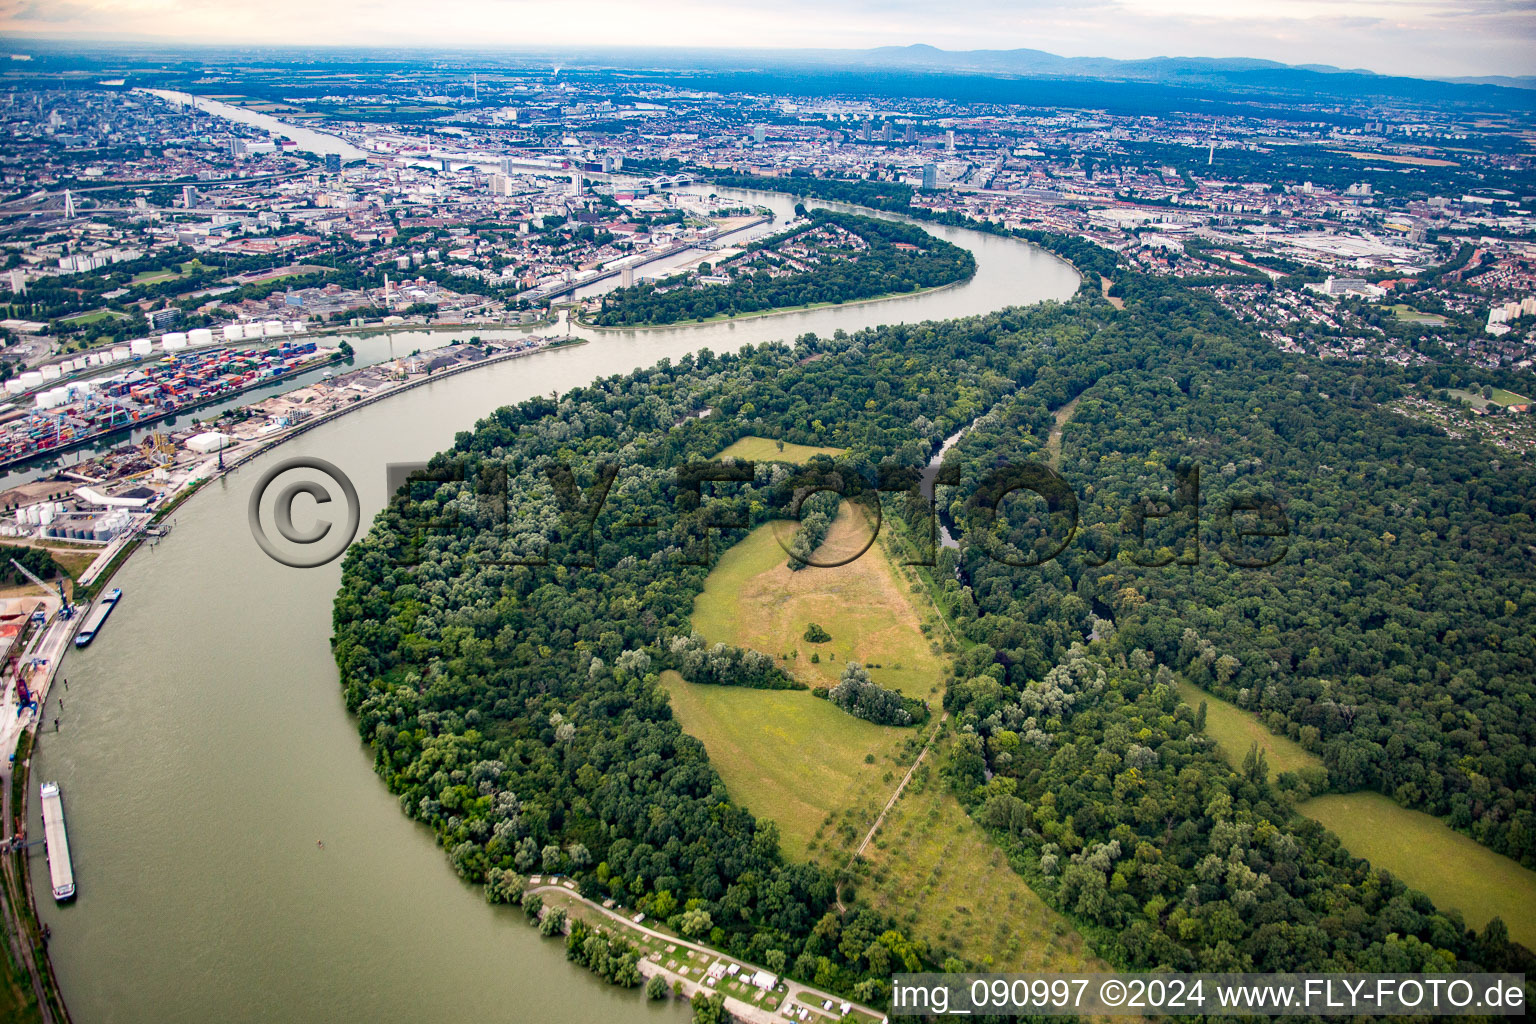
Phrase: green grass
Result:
[1236,731]
[938,874]
[1500,397]
[752,599]
[765,449]
[93,317]
[155,276]
[1452,869]
[788,756]
[1406,312]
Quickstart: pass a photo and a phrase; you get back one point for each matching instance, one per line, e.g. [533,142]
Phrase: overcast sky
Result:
[1408,37]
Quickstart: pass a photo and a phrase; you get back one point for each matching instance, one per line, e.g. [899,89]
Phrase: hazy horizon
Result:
[1416,38]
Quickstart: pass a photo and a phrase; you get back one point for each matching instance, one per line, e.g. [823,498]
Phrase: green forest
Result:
[500,635]
[900,258]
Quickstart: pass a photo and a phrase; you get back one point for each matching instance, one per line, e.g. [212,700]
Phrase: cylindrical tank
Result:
[141,346]
[52,372]
[14,386]
[272,328]
[46,512]
[200,336]
[296,327]
[178,339]
[120,352]
[234,332]
[31,379]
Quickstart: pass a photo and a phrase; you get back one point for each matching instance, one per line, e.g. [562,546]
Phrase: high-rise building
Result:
[930,176]
[885,132]
[188,197]
[627,277]
[865,129]
[909,135]
[576,182]
[760,134]
[949,141]
[333,163]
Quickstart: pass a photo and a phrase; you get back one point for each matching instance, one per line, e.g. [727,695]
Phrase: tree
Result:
[656,988]
[709,1009]
[695,922]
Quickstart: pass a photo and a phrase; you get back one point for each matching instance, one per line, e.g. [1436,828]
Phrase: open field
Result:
[1237,731]
[1403,311]
[942,878]
[1452,869]
[1396,158]
[765,449]
[155,276]
[790,757]
[1500,397]
[824,776]
[93,317]
[752,599]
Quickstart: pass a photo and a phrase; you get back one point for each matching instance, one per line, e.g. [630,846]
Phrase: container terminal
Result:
[82,411]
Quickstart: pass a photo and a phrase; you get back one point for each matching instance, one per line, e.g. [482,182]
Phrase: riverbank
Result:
[24,930]
[690,967]
[721,318]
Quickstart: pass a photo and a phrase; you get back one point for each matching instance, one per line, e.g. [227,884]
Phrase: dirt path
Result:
[900,787]
[1053,443]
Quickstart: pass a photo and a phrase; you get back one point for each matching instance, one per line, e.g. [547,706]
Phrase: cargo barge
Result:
[61,872]
[93,622]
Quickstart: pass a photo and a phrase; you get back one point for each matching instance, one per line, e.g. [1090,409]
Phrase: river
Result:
[204,750]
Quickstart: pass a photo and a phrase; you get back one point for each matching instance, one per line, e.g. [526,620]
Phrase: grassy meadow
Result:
[766,449]
[1236,731]
[1450,868]
[794,758]
[1454,870]
[938,874]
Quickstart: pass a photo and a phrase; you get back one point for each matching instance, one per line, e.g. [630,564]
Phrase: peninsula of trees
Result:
[834,257]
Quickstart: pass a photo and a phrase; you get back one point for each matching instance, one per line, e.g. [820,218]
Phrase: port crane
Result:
[66,609]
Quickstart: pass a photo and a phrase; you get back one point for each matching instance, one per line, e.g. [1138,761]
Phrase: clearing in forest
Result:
[943,879]
[766,449]
[1236,731]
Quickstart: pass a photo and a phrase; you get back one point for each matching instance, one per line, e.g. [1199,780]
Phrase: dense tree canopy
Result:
[501,629]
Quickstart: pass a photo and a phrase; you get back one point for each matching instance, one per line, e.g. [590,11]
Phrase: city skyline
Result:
[1418,38]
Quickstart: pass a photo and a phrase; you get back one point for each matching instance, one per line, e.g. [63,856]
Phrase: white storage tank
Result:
[234,332]
[120,352]
[52,372]
[14,386]
[141,346]
[31,379]
[272,328]
[45,512]
[200,336]
[174,342]
[76,365]
[296,327]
